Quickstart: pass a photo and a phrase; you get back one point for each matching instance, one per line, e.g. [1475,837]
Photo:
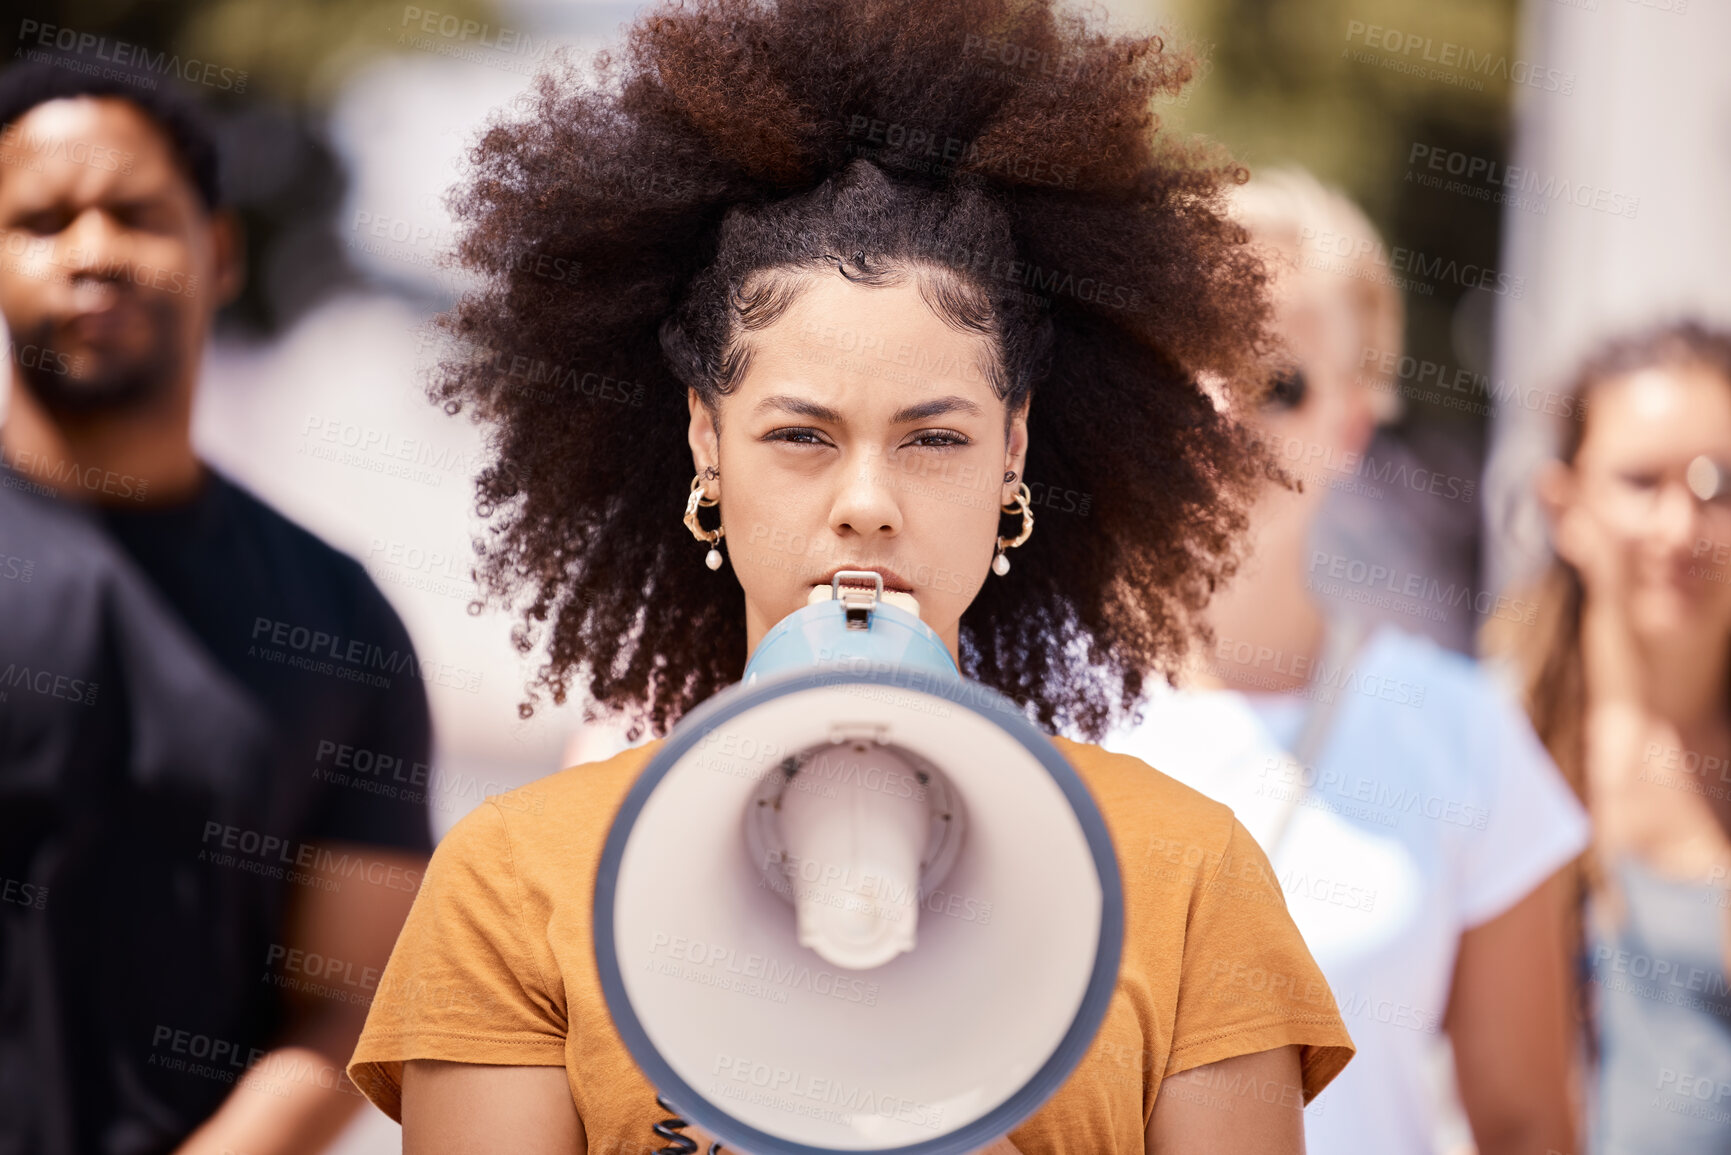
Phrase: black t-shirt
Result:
[197,703]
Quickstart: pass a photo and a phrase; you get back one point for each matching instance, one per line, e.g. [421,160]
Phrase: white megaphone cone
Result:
[857,903]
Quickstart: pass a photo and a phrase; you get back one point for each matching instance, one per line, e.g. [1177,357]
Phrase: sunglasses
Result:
[1707,479]
[1286,391]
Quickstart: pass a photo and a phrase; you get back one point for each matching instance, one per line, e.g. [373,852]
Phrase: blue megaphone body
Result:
[851,629]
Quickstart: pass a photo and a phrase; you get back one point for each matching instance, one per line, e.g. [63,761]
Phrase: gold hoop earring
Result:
[1001,563]
[713,558]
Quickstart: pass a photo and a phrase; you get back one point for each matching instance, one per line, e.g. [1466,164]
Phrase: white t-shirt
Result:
[1431,808]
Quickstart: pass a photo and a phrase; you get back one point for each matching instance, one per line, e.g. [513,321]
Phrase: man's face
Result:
[108,258]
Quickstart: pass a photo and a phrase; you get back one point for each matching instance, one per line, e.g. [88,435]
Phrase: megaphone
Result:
[857,902]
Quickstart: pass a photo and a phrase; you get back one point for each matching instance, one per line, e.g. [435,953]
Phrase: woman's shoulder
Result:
[1141,802]
[567,814]
[547,817]
[584,786]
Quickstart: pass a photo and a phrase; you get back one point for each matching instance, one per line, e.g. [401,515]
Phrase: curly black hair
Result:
[639,217]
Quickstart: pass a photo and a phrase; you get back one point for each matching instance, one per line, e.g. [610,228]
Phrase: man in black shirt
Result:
[214,734]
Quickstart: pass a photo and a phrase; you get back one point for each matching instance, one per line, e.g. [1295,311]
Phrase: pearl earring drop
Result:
[1001,564]
[713,558]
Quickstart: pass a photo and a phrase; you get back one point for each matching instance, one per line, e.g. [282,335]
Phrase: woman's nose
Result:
[866,499]
[1677,518]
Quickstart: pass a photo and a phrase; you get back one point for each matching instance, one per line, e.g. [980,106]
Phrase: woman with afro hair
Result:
[882,280]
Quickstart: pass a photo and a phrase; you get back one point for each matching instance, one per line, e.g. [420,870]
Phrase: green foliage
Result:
[297,52]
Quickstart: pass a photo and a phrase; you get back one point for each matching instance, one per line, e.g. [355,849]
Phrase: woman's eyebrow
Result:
[933,408]
[918,411]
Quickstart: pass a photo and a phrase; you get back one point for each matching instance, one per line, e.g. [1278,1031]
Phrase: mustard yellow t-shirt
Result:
[496,966]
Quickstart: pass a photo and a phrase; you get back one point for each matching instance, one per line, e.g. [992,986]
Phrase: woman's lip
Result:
[892,580]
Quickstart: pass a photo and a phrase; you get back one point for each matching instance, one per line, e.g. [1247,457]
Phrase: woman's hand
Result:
[1618,723]
[1608,648]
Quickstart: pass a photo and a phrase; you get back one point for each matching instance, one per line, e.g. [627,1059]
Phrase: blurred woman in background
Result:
[1626,679]
[1414,820]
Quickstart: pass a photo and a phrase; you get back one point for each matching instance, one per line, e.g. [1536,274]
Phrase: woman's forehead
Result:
[873,351]
[1669,412]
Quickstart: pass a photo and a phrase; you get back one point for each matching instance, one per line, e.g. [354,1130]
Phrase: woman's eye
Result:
[1638,478]
[795,436]
[932,439]
[940,439]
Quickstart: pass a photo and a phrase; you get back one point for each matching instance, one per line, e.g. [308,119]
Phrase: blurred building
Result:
[1630,171]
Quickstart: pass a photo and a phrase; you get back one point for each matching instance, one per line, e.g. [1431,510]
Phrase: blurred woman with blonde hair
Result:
[1413,818]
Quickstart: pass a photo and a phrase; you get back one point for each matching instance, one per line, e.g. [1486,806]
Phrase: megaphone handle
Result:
[670,1129]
